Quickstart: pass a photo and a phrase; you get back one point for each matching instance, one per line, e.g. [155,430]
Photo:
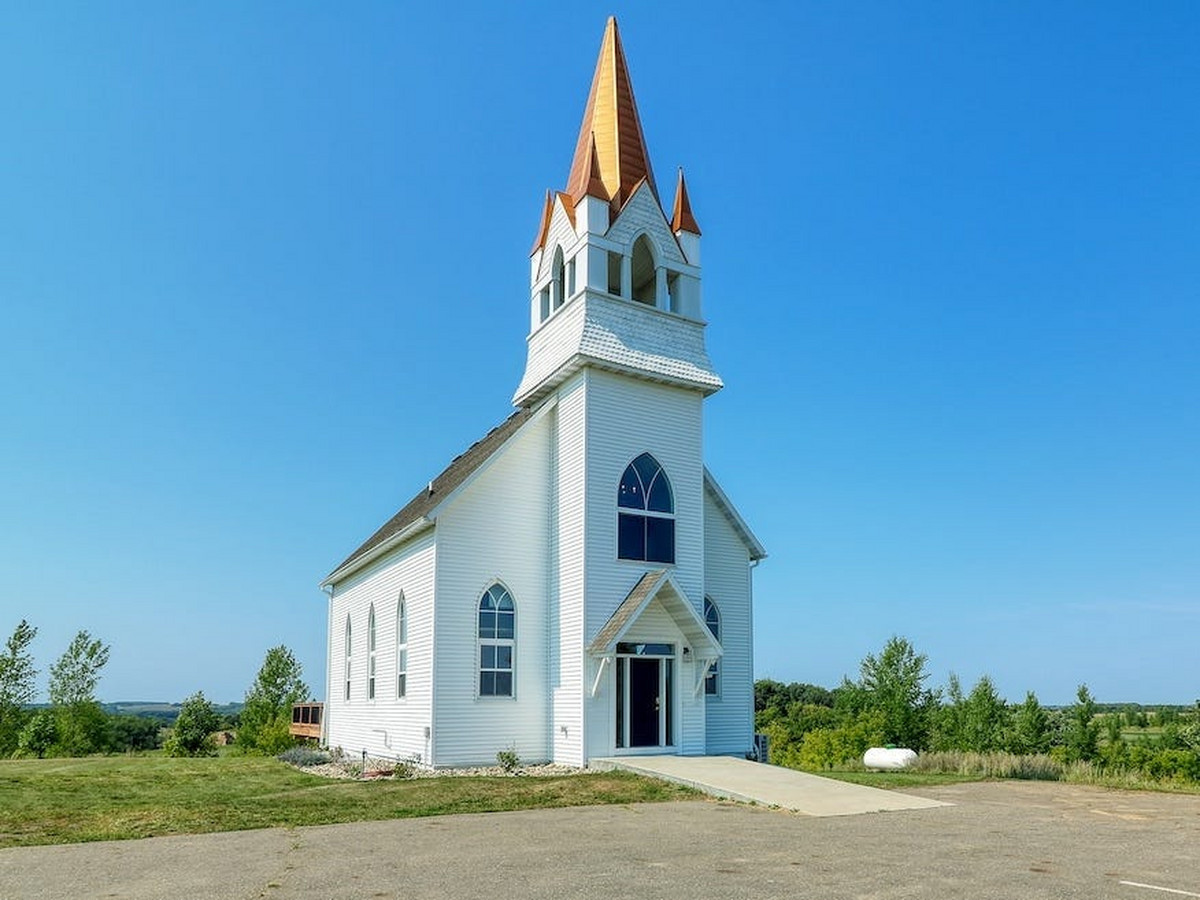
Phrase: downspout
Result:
[750,609]
[328,589]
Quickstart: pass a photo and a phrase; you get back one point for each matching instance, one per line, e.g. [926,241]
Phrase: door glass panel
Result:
[621,702]
[633,649]
[668,693]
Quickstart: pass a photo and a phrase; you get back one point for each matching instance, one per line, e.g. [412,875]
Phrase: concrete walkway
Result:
[740,779]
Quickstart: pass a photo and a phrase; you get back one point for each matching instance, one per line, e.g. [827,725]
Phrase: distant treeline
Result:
[812,727]
[167,713]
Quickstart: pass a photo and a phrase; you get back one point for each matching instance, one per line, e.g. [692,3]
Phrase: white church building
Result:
[575,585]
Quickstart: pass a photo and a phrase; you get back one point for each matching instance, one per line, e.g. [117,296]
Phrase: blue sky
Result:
[263,273]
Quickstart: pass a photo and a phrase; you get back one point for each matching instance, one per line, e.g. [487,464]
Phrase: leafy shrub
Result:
[276,735]
[304,757]
[827,748]
[508,759]
[192,734]
[407,766]
[39,734]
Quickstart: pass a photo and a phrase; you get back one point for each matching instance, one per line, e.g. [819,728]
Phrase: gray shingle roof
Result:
[437,490]
[624,613]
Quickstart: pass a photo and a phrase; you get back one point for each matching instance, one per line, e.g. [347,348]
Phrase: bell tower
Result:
[614,282]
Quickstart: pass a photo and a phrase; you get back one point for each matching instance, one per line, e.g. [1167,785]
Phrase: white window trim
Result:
[371,645]
[715,666]
[481,642]
[346,696]
[401,647]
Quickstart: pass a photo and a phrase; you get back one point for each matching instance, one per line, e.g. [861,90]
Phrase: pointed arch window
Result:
[401,649]
[371,653]
[646,513]
[497,642]
[712,618]
[348,658]
[559,278]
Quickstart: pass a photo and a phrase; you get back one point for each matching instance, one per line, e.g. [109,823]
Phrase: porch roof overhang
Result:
[657,584]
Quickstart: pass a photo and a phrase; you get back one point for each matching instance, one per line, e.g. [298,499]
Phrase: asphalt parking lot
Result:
[999,840]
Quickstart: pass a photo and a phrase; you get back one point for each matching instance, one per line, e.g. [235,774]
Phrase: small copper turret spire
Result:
[682,218]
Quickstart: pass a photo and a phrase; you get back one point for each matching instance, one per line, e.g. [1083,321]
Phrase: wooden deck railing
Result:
[306,720]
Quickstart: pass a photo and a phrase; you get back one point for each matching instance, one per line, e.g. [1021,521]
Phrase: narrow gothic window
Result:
[712,618]
[646,515]
[401,648]
[347,657]
[497,638]
[559,278]
[371,653]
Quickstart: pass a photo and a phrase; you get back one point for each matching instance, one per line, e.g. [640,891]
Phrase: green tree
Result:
[949,731]
[39,735]
[1083,732]
[267,715]
[893,684]
[986,718]
[134,733]
[194,727]
[17,676]
[1030,731]
[81,724]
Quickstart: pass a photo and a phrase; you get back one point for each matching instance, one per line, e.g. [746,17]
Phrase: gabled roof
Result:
[611,131]
[656,584]
[756,549]
[427,499]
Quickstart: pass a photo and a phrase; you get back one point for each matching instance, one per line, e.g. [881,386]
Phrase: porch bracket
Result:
[599,674]
[702,670]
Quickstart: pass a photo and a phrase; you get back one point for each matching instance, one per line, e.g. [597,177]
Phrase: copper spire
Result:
[682,218]
[611,131]
[544,227]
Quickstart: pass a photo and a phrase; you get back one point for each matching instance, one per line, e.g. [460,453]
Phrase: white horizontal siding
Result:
[496,529]
[627,417]
[386,726]
[567,574]
[730,714]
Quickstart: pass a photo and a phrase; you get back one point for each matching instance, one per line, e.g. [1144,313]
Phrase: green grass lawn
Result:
[55,801]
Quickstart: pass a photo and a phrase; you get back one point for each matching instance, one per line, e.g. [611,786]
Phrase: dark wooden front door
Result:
[644,702]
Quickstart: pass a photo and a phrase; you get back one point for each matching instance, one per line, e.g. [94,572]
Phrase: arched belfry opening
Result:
[645,288]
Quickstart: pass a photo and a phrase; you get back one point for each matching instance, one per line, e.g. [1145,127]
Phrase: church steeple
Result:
[614,283]
[611,130]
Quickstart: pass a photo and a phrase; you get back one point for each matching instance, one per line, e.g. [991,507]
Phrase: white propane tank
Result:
[888,758]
